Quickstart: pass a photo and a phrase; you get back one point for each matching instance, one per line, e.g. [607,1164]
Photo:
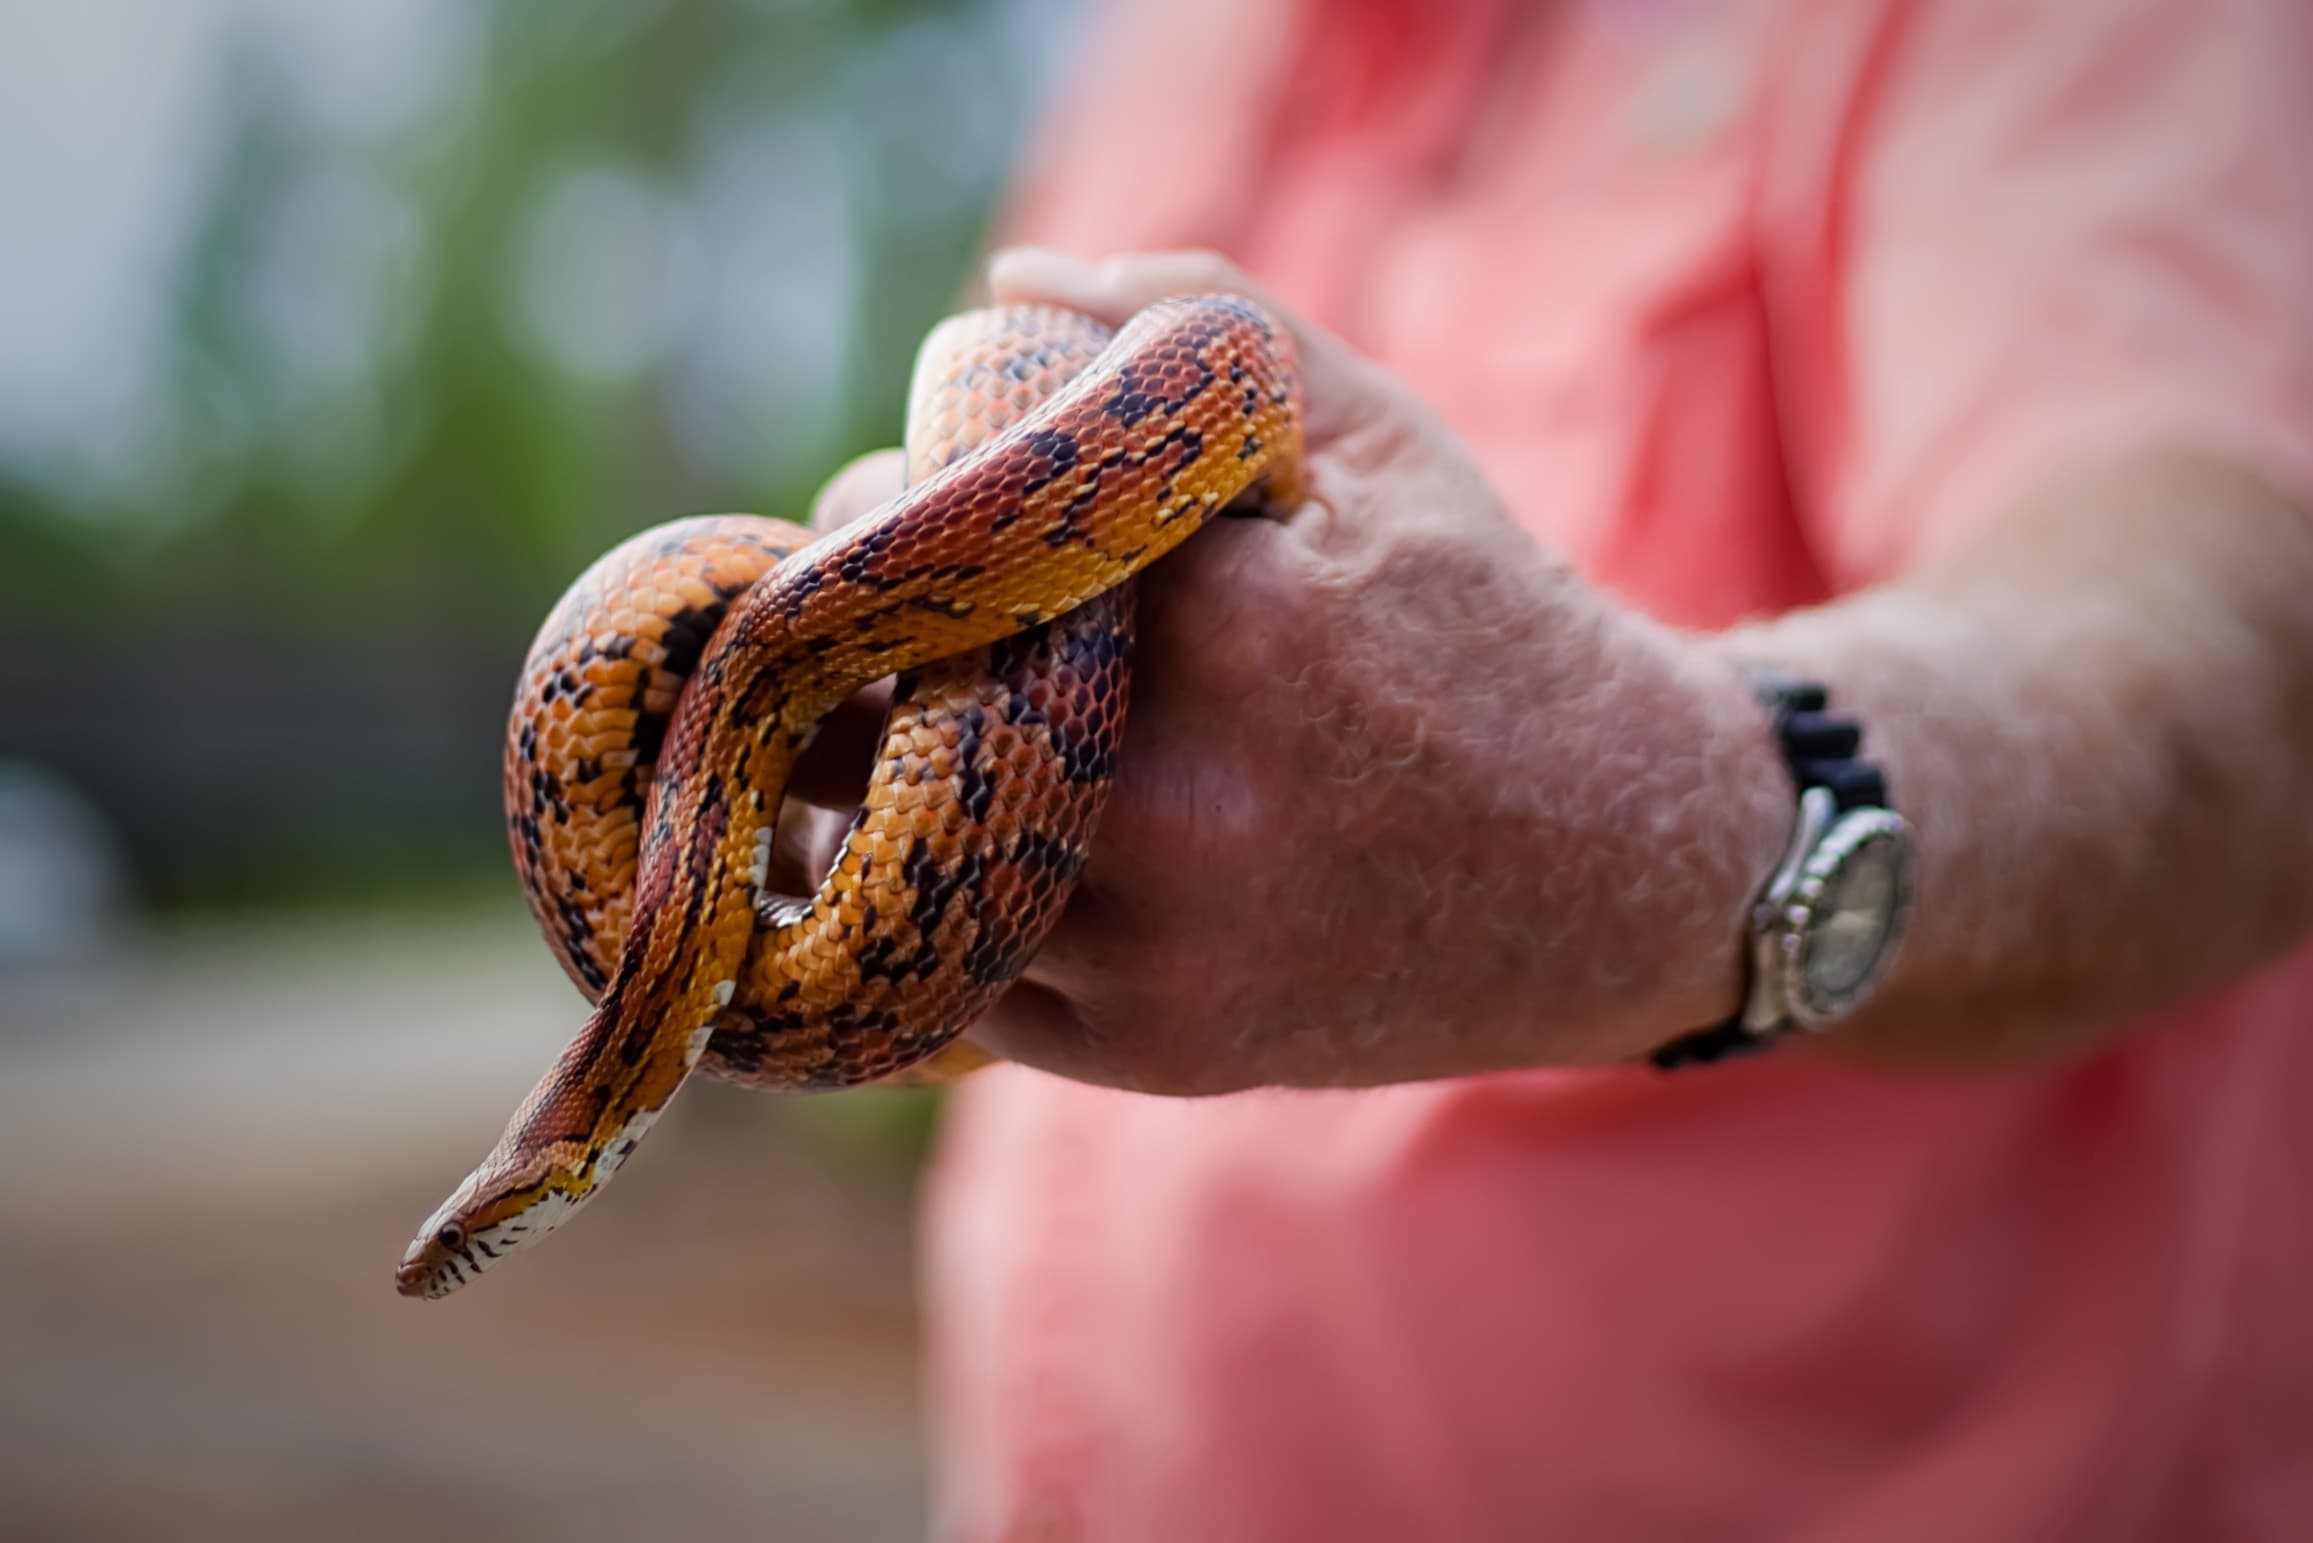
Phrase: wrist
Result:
[1682,814]
[1745,813]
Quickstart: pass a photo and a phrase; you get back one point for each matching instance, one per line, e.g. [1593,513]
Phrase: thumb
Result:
[861,487]
[832,772]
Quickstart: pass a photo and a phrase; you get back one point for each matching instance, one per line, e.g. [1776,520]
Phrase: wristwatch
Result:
[1826,928]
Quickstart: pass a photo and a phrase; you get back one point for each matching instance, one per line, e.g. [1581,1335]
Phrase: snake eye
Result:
[452,1236]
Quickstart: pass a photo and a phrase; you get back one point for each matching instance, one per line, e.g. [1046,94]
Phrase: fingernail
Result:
[1037,268]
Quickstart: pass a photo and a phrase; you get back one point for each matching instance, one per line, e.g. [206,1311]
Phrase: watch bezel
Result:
[1843,812]
[1798,912]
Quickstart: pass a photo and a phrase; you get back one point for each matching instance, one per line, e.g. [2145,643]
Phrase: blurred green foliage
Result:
[632,260]
[453,463]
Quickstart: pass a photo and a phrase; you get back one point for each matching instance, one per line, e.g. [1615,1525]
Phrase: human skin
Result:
[1404,797]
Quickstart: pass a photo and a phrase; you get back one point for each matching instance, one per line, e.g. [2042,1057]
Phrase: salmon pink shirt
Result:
[1742,304]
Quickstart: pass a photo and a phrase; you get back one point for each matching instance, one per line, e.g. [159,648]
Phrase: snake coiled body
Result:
[669,693]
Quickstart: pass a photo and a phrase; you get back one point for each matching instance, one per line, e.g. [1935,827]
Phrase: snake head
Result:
[504,1205]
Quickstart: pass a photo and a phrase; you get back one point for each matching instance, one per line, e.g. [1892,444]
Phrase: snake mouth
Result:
[415,1278]
[426,1271]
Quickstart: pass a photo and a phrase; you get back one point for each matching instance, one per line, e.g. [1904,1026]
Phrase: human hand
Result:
[1401,797]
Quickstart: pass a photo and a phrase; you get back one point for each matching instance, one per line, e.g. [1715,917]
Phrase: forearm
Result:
[2101,723]
[1404,798]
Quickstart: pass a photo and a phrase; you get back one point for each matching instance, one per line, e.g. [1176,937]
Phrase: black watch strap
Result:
[1822,750]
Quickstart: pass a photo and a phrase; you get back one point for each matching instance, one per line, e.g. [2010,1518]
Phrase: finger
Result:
[862,485]
[803,849]
[833,769]
[1341,391]
[832,772]
[1040,1027]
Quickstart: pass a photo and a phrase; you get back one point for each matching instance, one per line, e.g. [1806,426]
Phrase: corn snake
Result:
[669,693]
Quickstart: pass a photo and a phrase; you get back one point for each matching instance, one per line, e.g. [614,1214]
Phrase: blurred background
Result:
[335,339]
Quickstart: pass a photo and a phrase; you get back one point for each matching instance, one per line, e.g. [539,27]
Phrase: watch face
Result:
[1857,891]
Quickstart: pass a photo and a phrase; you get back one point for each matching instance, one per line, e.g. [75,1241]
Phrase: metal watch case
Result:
[1791,922]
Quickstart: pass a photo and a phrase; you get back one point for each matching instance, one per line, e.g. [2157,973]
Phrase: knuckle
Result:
[1278,614]
[1204,264]
[1190,270]
[857,487]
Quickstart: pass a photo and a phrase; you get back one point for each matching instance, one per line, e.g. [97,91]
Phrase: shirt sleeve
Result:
[2010,239]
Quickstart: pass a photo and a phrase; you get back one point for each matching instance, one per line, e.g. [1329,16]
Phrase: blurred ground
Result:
[212,1151]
